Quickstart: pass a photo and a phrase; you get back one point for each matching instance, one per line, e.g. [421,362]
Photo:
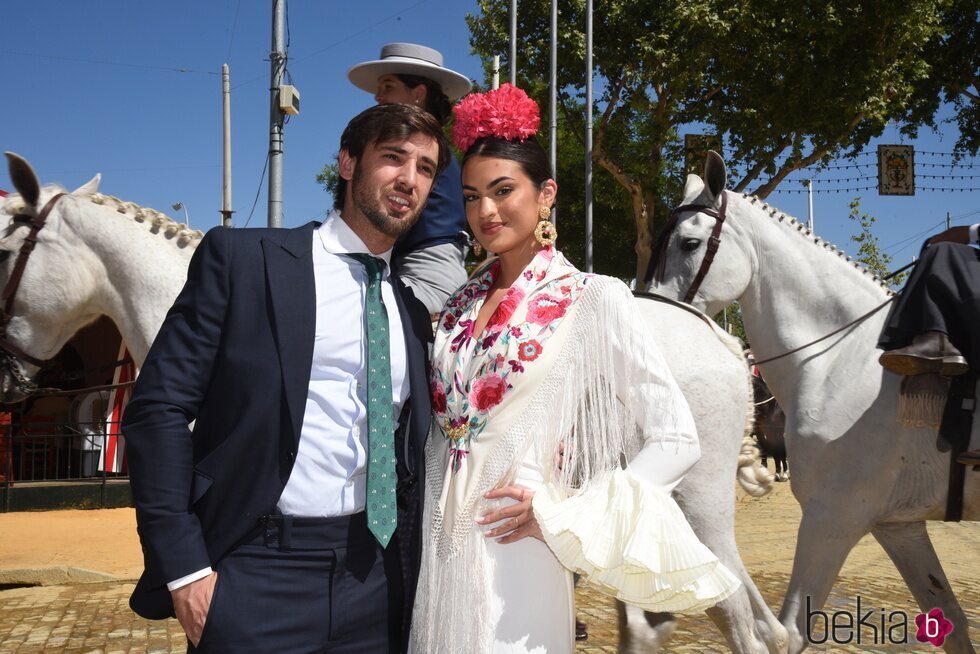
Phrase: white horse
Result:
[99,255]
[857,470]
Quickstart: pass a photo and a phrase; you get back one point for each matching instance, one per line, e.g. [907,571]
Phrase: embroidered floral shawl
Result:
[480,383]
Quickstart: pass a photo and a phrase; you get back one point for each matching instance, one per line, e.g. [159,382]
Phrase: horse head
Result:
[42,273]
[698,256]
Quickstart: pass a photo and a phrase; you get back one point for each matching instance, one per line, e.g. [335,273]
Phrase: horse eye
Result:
[690,244]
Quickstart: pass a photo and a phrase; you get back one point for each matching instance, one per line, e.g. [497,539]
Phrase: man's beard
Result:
[368,201]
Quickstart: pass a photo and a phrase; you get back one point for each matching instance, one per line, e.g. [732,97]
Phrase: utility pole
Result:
[226,209]
[553,102]
[949,220]
[276,116]
[588,136]
[513,42]
[808,183]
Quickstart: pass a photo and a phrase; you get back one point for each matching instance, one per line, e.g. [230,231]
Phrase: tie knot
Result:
[373,264]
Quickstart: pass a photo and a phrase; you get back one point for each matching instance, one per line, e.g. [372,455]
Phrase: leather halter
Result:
[658,258]
[12,351]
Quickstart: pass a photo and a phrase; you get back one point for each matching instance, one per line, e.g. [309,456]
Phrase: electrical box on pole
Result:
[289,99]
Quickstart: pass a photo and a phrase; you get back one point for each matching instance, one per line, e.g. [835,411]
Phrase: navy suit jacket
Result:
[234,354]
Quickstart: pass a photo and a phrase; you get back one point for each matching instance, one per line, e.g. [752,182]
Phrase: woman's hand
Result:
[518,519]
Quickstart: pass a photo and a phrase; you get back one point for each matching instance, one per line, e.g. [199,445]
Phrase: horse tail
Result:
[752,477]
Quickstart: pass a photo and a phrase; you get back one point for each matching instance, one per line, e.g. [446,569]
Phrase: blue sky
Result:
[93,87]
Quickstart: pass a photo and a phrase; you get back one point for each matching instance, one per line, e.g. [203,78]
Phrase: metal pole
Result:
[553,101]
[278,59]
[808,183]
[177,207]
[226,209]
[513,42]
[588,135]
[949,221]
[495,74]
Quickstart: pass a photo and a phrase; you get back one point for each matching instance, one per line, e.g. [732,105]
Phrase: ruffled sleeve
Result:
[631,541]
[622,530]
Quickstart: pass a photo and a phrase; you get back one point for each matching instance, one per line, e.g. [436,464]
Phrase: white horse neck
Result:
[142,257]
[803,289]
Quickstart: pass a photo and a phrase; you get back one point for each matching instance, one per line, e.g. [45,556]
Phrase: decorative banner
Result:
[696,148]
[113,456]
[896,170]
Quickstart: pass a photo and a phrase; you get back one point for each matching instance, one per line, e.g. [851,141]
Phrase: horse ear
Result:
[89,187]
[24,178]
[715,175]
[693,187]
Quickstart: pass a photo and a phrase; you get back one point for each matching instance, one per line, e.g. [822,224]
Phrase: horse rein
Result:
[854,322]
[12,354]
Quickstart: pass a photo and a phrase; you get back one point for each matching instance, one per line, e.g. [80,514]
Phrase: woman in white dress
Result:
[544,383]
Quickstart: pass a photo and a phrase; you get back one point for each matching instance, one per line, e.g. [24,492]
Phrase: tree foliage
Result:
[869,251]
[787,84]
[953,56]
[328,177]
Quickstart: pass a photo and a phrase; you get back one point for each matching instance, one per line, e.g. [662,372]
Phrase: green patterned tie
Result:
[381,508]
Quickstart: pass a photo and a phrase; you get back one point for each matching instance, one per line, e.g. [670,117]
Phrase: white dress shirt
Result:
[975,234]
[328,476]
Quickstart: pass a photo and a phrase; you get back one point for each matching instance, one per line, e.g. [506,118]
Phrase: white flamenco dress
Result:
[563,361]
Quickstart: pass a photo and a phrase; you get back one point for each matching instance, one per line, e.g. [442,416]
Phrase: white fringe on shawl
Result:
[577,403]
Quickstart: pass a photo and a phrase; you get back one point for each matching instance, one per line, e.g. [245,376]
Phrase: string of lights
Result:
[861,178]
[873,187]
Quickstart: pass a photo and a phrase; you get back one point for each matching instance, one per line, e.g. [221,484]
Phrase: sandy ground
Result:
[100,540]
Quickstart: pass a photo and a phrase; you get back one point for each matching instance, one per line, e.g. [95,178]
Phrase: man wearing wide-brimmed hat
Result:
[429,258]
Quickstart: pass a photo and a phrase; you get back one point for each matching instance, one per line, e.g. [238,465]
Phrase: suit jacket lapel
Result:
[292,294]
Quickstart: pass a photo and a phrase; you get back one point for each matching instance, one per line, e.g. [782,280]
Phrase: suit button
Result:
[292,455]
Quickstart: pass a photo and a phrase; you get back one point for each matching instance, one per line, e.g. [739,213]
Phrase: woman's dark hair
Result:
[436,102]
[527,153]
[389,122]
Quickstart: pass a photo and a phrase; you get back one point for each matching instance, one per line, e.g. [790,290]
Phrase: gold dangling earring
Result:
[545,232]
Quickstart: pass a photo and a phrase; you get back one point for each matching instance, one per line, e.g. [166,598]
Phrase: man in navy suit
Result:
[256,529]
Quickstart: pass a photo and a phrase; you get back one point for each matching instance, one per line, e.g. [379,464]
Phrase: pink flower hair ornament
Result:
[506,113]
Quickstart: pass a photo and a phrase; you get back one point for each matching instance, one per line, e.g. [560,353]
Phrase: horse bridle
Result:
[12,353]
[658,262]
[658,258]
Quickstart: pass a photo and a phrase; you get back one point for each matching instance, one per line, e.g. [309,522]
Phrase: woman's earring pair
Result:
[545,233]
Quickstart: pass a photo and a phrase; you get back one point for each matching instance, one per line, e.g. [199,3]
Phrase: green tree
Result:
[328,177]
[869,251]
[788,84]
[953,55]
[731,319]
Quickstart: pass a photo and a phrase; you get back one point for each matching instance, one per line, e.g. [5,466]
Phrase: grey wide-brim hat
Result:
[409,59]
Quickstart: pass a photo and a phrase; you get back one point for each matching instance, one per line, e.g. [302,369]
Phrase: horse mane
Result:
[157,220]
[782,217]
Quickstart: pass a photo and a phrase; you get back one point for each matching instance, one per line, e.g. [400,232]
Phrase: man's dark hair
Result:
[527,153]
[436,101]
[389,122]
